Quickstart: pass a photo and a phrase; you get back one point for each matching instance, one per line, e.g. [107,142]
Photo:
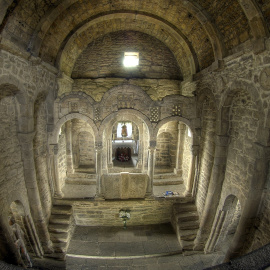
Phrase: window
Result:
[131,59]
[128,129]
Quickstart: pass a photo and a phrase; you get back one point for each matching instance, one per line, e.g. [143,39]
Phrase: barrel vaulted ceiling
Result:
[198,32]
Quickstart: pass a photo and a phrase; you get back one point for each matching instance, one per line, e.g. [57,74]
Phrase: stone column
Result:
[26,142]
[180,148]
[151,165]
[194,161]
[98,149]
[109,153]
[215,232]
[214,191]
[69,154]
[55,173]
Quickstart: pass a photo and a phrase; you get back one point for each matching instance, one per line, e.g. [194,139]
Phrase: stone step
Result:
[61,209]
[60,219]
[165,182]
[184,207]
[60,247]
[81,175]
[81,181]
[187,245]
[88,170]
[58,228]
[57,256]
[188,235]
[59,237]
[166,176]
[188,225]
[187,216]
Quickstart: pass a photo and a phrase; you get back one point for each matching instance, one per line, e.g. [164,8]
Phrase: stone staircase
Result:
[61,226]
[80,178]
[185,221]
[167,179]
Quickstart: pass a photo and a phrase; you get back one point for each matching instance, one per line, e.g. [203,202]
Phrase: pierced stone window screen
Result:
[131,59]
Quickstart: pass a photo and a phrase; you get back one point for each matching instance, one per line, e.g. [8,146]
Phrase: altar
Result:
[124,148]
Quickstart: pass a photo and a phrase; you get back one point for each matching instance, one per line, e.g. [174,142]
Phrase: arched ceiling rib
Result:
[126,21]
[210,28]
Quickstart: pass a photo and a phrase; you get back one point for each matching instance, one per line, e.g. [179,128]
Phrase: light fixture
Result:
[131,59]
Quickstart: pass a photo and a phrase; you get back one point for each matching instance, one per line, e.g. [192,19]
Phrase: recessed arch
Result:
[53,139]
[184,53]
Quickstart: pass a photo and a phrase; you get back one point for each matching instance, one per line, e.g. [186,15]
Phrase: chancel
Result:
[134,134]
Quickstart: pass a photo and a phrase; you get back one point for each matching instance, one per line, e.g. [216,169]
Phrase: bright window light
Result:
[131,59]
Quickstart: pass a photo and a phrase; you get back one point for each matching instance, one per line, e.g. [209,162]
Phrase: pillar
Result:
[55,173]
[194,161]
[98,149]
[26,142]
[214,192]
[151,164]
[215,232]
[180,148]
[109,153]
[69,154]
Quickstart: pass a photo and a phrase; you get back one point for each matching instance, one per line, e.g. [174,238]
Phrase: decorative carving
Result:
[97,114]
[176,110]
[125,102]
[154,114]
[74,107]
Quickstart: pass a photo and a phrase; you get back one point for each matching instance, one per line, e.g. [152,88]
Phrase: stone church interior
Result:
[134,134]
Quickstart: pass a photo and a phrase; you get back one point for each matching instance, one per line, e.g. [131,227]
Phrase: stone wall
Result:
[104,58]
[157,89]
[12,174]
[166,145]
[106,213]
[187,157]
[83,144]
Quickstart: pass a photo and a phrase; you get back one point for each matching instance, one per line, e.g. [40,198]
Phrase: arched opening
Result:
[225,227]
[173,159]
[125,144]
[77,159]
[21,234]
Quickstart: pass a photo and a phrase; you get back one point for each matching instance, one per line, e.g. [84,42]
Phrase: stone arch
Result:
[255,18]
[183,43]
[194,9]
[236,86]
[54,136]
[225,227]
[77,140]
[13,87]
[175,118]
[125,114]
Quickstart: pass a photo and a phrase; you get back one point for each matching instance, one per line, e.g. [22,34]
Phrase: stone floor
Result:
[141,247]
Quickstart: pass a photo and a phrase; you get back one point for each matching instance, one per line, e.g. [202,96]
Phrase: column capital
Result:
[152,145]
[53,148]
[98,146]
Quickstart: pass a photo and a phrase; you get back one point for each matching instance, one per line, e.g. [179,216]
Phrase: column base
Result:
[59,195]
[99,198]
[149,196]
[187,193]
[177,171]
